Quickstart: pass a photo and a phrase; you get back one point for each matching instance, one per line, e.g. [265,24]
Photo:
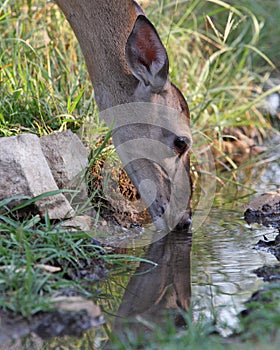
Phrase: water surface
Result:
[223,260]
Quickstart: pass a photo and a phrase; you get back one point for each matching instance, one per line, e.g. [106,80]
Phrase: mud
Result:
[48,325]
[263,305]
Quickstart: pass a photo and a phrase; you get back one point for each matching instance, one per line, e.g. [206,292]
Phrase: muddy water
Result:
[215,275]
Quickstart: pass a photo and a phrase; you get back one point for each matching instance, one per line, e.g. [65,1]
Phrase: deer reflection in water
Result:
[151,293]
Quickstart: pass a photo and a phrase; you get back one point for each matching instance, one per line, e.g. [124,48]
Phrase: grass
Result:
[267,14]
[220,57]
[38,74]
[27,247]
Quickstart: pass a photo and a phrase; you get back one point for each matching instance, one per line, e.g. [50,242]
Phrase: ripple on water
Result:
[223,260]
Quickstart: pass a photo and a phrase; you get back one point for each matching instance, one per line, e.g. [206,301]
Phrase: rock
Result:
[269,273]
[264,209]
[270,198]
[271,104]
[266,300]
[79,223]
[25,171]
[77,303]
[68,159]
[270,246]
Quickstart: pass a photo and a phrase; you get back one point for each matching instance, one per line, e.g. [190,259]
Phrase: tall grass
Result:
[45,86]
[44,83]
[267,13]
[211,46]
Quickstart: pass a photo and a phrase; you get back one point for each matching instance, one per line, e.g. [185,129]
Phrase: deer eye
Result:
[181,143]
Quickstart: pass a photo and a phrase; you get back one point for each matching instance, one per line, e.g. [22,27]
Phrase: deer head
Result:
[129,68]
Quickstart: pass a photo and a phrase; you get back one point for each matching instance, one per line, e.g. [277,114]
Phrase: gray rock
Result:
[265,210]
[79,223]
[25,171]
[68,159]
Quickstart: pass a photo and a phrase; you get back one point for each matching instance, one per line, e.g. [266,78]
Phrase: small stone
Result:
[82,223]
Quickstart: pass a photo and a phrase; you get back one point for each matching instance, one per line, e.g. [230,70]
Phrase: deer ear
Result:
[146,56]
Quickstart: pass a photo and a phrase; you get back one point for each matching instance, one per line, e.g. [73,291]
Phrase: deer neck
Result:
[102,28]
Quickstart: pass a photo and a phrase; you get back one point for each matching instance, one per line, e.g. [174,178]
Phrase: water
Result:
[218,281]
[223,254]
[223,260]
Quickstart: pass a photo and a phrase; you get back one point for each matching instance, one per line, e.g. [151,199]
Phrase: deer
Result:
[128,65]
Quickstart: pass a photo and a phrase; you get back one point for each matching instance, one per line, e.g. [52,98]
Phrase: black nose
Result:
[185,223]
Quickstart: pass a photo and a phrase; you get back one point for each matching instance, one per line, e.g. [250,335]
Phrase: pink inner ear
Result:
[148,45]
[146,56]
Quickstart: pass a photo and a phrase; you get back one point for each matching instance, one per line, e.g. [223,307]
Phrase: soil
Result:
[239,144]
[48,324]
[118,200]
